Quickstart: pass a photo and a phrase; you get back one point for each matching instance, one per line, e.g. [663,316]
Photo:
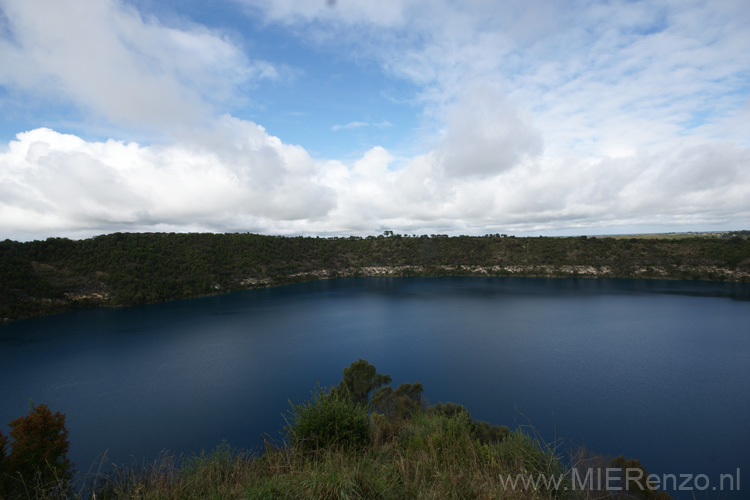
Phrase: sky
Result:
[353,117]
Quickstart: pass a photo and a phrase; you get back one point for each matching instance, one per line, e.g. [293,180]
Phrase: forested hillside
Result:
[121,269]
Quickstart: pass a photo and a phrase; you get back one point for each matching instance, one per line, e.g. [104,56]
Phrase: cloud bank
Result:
[535,118]
[239,178]
[106,58]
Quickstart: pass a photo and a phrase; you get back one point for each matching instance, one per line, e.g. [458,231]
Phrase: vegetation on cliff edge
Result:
[122,269]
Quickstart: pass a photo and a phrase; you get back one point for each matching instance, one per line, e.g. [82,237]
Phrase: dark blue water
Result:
[654,370]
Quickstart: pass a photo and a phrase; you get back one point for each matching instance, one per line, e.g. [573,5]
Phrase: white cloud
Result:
[107,59]
[485,135]
[538,116]
[383,13]
[547,114]
[595,78]
[349,126]
[237,177]
[354,125]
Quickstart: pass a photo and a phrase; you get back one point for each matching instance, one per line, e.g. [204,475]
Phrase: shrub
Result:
[486,433]
[328,420]
[442,431]
[398,404]
[638,487]
[482,431]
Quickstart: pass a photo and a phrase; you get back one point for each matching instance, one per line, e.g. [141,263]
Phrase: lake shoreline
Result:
[57,275]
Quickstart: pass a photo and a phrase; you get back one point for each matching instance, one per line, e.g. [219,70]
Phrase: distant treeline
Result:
[58,274]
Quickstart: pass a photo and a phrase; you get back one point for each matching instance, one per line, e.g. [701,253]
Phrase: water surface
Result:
[655,370]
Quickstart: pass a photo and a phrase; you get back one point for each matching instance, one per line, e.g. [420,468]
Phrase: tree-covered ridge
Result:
[123,269]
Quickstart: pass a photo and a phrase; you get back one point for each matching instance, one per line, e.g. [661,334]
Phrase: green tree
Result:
[359,380]
[400,403]
[38,456]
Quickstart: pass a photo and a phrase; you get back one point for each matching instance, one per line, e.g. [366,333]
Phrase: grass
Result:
[427,457]
[408,452]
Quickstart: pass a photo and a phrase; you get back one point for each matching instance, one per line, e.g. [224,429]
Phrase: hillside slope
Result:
[122,269]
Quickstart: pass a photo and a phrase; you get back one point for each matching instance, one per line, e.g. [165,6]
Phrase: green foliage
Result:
[448,409]
[359,380]
[42,277]
[525,452]
[438,430]
[636,484]
[219,464]
[398,404]
[37,461]
[328,420]
[486,433]
[331,474]
[440,452]
[481,431]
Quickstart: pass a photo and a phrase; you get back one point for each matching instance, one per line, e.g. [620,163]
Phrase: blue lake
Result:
[655,370]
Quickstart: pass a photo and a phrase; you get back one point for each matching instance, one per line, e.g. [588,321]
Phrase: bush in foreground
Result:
[327,420]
